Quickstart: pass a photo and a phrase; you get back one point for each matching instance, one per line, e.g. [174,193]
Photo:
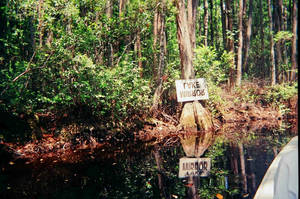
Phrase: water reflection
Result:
[239,161]
[195,144]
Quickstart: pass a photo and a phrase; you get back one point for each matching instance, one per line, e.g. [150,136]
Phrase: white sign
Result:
[194,167]
[191,89]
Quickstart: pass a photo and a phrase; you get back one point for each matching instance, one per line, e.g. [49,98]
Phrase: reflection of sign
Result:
[194,167]
[191,89]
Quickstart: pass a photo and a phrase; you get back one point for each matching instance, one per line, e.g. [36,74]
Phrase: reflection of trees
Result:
[252,175]
[160,173]
[243,167]
[152,172]
[251,152]
[195,144]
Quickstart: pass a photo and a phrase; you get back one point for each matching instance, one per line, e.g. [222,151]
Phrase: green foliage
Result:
[215,102]
[210,66]
[70,68]
[281,92]
[283,36]
[248,95]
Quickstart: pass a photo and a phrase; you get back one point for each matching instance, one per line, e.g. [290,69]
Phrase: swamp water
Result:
[143,170]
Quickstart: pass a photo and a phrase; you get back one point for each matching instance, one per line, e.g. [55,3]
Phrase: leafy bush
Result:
[281,92]
[114,93]
[210,66]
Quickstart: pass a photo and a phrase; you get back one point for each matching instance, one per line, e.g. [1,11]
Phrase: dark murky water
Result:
[140,171]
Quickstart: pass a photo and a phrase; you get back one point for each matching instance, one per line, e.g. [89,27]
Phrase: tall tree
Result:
[211,8]
[224,25]
[40,18]
[248,36]
[184,42]
[122,4]
[240,45]
[139,51]
[294,41]
[109,13]
[199,22]
[192,15]
[159,33]
[205,22]
[273,67]
[277,22]
[230,41]
[262,36]
[155,32]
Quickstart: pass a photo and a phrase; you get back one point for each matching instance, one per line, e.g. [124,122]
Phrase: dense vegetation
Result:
[98,63]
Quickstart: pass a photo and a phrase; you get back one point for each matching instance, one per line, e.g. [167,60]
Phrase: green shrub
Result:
[210,66]
[281,92]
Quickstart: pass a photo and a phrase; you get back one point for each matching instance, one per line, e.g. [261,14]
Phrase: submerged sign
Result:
[194,167]
[191,89]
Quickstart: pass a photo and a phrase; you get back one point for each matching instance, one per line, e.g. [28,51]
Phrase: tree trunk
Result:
[251,163]
[284,47]
[160,28]
[160,174]
[205,22]
[243,167]
[273,73]
[40,26]
[154,47]
[294,42]
[223,19]
[185,47]
[122,4]
[230,42]
[248,36]
[262,36]
[109,12]
[99,51]
[139,52]
[211,22]
[229,39]
[192,15]
[290,17]
[200,21]
[234,161]
[277,26]
[240,46]
[192,192]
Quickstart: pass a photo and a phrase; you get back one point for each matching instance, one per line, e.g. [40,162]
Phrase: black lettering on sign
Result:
[184,84]
[192,165]
[194,93]
[184,166]
[191,85]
